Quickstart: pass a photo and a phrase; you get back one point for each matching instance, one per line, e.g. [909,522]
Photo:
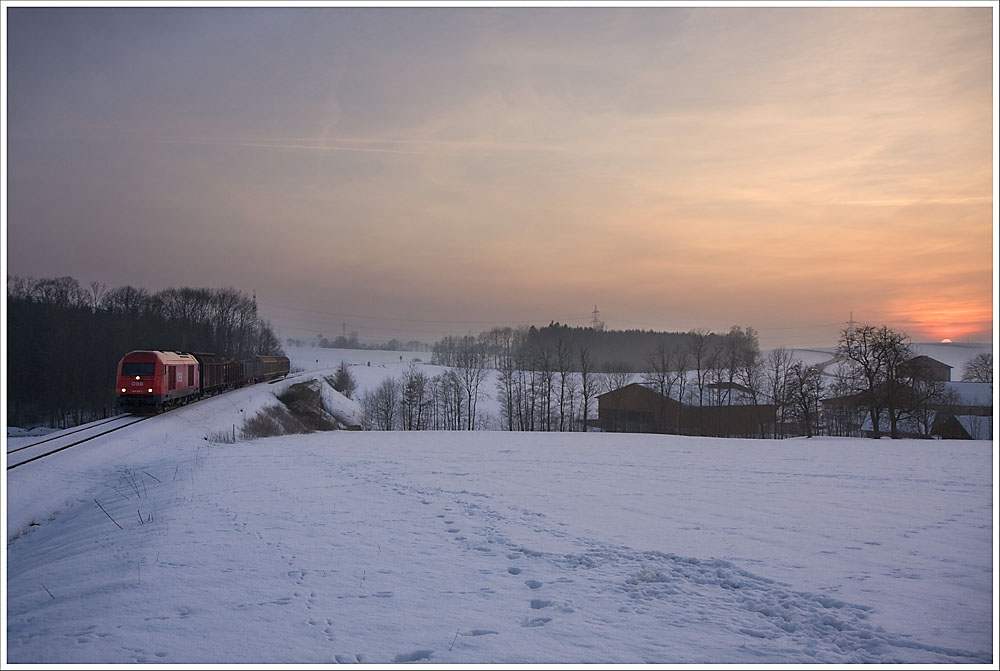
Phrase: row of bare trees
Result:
[64,340]
[416,401]
[551,383]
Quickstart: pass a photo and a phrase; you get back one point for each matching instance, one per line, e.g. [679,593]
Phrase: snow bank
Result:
[345,410]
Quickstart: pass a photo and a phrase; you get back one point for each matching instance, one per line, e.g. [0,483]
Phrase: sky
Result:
[405,172]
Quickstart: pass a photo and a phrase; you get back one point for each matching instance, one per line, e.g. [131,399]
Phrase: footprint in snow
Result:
[536,621]
[348,659]
[414,656]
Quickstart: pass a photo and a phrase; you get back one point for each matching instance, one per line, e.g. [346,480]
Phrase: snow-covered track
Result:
[62,434]
[67,439]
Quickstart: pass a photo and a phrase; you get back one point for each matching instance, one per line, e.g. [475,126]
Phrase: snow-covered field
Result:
[493,547]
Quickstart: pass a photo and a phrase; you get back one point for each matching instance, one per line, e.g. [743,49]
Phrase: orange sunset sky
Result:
[411,172]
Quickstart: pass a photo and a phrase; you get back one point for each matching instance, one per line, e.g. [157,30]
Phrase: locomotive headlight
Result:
[137,377]
[150,390]
[123,390]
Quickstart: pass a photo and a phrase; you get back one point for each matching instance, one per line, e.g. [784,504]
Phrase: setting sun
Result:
[946,340]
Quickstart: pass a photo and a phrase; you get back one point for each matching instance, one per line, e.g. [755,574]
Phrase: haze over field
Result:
[407,173]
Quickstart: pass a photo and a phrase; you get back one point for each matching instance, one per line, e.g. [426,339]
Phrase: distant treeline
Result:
[550,378]
[65,340]
[352,342]
[630,349]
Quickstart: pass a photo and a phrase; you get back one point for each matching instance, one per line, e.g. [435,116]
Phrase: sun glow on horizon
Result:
[802,164]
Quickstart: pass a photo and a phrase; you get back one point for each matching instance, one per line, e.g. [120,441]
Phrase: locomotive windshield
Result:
[132,368]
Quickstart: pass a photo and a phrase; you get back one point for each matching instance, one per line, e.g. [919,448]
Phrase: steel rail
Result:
[63,434]
[66,447]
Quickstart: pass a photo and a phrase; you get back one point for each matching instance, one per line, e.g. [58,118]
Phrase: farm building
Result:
[962,410]
[636,408]
[926,368]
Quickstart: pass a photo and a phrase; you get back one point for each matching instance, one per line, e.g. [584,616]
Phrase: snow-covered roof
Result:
[907,425]
[978,427]
[972,393]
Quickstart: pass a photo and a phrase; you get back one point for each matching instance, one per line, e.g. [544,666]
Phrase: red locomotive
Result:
[150,381]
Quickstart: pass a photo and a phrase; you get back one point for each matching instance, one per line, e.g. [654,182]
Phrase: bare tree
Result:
[661,376]
[95,294]
[735,347]
[415,398]
[19,287]
[979,368]
[524,381]
[450,398]
[874,355]
[588,382]
[779,362]
[929,397]
[471,363]
[658,374]
[381,406]
[842,418]
[563,364]
[748,363]
[679,364]
[699,353]
[544,374]
[126,299]
[507,383]
[900,398]
[617,374]
[572,385]
[805,390]
[445,352]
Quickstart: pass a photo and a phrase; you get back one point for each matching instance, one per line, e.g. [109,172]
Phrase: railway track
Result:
[19,456]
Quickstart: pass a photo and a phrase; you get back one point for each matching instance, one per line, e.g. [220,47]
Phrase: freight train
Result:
[150,381]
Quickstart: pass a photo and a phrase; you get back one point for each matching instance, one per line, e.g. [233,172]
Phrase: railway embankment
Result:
[303,407]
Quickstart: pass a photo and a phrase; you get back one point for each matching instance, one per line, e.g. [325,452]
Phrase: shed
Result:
[636,408]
